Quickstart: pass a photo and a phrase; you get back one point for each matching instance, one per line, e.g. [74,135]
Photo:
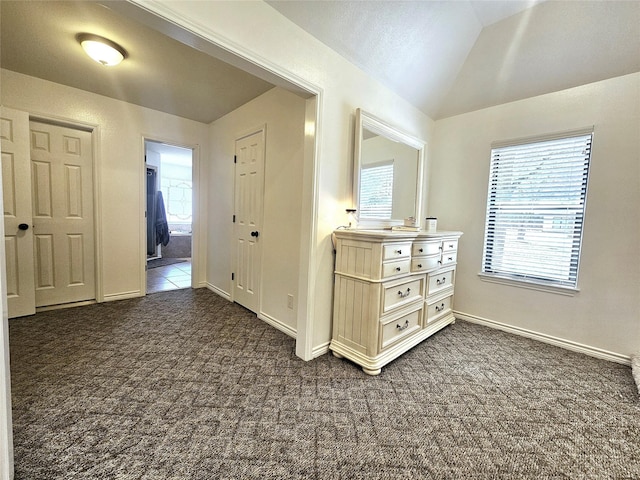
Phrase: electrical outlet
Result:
[290,301]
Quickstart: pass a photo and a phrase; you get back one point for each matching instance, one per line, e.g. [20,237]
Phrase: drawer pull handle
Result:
[399,252]
[404,295]
[398,269]
[419,265]
[403,327]
[441,282]
[440,262]
[440,308]
[449,259]
[441,247]
[420,250]
[451,245]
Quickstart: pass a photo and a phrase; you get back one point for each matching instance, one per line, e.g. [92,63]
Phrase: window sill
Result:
[567,291]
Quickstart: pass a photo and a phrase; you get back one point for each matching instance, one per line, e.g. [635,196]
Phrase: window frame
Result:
[530,280]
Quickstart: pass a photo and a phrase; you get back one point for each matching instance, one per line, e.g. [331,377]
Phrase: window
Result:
[177,195]
[535,209]
[376,190]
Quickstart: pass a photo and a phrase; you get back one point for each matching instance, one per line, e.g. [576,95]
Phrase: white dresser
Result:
[392,290]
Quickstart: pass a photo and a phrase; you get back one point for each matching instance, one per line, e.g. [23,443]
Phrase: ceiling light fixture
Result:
[102,50]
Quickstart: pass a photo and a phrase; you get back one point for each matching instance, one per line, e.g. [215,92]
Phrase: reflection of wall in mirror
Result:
[380,149]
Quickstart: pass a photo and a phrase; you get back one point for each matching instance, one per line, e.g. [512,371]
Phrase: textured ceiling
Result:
[414,47]
[450,57]
[445,57]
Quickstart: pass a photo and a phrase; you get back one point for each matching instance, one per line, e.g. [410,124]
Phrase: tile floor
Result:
[170,277]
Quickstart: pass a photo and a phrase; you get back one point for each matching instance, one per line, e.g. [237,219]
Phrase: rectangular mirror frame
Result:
[369,122]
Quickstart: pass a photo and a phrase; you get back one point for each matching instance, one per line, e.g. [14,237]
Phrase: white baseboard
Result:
[222,293]
[542,337]
[262,316]
[278,324]
[320,350]
[121,296]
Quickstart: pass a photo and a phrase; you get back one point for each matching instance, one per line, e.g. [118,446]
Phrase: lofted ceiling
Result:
[454,56]
[444,57]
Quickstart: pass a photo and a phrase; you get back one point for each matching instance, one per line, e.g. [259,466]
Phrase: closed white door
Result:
[62,193]
[18,224]
[249,191]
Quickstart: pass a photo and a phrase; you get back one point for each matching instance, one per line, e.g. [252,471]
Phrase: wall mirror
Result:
[388,171]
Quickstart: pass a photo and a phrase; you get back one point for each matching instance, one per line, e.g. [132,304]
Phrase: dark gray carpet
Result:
[184,385]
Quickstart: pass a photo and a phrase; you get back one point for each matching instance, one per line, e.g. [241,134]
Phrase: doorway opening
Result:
[169,193]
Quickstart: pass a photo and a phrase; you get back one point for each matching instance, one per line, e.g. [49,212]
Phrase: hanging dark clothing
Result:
[161,224]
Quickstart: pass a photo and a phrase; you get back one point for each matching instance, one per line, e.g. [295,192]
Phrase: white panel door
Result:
[18,223]
[249,190]
[62,194]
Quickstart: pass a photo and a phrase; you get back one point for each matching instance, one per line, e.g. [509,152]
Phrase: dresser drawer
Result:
[396,251]
[398,294]
[425,248]
[449,258]
[396,268]
[439,308]
[394,330]
[449,245]
[439,281]
[425,264]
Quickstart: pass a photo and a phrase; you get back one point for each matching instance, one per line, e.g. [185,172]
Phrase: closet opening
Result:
[169,216]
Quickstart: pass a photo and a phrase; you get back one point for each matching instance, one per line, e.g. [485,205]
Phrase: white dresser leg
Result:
[372,372]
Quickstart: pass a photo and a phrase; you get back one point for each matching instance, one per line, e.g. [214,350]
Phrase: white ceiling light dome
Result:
[102,50]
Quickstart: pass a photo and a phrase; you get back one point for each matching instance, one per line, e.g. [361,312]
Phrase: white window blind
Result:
[535,210]
[376,190]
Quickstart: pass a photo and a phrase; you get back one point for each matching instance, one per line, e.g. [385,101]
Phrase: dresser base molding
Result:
[373,365]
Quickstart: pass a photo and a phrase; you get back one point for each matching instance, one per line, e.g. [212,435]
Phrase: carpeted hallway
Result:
[185,385]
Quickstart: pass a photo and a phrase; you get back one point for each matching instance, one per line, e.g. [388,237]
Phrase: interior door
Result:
[62,193]
[249,191]
[18,224]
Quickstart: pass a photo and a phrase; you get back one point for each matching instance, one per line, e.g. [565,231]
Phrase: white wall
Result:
[119,161]
[605,314]
[283,114]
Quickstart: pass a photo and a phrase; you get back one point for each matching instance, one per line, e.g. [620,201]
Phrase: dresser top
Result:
[386,234]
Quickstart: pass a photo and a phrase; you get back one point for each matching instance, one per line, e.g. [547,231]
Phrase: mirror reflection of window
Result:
[376,190]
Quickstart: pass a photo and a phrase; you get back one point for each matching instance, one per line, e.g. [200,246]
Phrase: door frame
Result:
[94,130]
[6,420]
[170,22]
[196,224]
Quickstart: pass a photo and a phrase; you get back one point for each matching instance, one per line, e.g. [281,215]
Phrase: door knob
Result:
[23,226]
[255,234]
